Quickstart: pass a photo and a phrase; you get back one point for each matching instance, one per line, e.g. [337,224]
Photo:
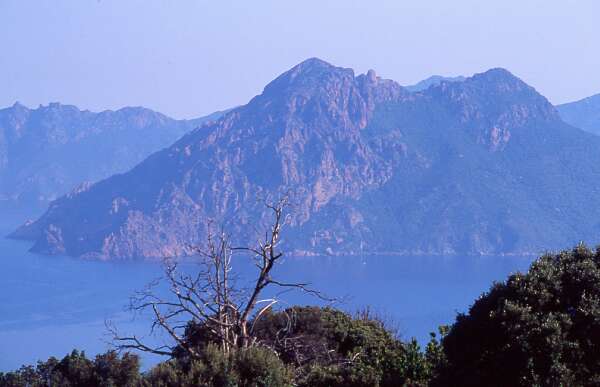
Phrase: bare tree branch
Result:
[210,297]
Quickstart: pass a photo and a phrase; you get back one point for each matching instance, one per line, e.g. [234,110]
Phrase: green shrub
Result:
[252,367]
[75,370]
[330,347]
[539,328]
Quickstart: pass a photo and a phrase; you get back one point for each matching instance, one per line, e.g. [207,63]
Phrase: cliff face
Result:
[480,166]
[47,151]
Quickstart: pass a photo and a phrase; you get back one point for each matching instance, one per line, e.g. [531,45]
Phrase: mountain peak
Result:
[315,90]
[499,72]
[18,107]
[371,75]
[496,84]
[309,73]
[501,77]
[314,62]
[497,102]
[314,67]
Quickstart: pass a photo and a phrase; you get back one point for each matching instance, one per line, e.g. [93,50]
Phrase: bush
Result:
[331,348]
[75,370]
[324,347]
[252,367]
[541,328]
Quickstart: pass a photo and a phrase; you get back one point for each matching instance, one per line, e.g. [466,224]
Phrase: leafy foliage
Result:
[254,366]
[303,346]
[330,348]
[76,370]
[539,328]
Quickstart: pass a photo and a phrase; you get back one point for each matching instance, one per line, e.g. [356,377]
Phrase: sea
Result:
[50,305]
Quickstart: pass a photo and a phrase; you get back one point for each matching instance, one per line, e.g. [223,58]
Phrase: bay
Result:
[50,305]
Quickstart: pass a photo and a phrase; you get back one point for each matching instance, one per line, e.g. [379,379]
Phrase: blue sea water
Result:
[51,304]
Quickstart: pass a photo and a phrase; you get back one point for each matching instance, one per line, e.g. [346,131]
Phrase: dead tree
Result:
[211,297]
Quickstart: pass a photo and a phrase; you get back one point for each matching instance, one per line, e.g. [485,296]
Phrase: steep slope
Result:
[46,152]
[584,114]
[483,166]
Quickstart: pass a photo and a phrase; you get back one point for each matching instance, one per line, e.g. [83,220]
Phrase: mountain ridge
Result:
[458,168]
[433,81]
[46,150]
[584,114]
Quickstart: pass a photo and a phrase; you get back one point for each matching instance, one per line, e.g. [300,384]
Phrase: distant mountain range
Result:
[46,152]
[584,114]
[434,80]
[479,166]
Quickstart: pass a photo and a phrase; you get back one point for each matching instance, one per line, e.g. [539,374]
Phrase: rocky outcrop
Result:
[480,166]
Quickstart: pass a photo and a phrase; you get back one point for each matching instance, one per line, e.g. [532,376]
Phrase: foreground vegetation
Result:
[321,347]
[541,328]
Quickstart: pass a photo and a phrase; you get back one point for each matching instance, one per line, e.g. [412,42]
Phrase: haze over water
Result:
[50,305]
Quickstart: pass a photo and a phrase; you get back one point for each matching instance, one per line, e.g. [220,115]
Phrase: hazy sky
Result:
[187,58]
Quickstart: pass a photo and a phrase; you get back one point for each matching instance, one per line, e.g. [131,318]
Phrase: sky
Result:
[188,58]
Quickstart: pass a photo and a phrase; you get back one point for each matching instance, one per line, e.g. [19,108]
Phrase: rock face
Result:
[584,114]
[45,152]
[482,166]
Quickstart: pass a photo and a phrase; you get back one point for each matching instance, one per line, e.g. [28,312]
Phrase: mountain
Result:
[584,114]
[434,80]
[46,152]
[482,166]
